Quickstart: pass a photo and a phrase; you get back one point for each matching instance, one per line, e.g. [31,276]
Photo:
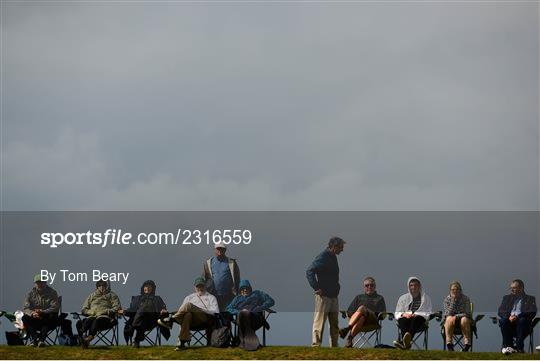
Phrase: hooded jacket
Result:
[256,301]
[46,300]
[101,304]
[146,302]
[405,300]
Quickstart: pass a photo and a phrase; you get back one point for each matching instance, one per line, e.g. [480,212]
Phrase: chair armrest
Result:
[436,315]
[535,322]
[343,314]
[494,319]
[76,315]
[478,318]
[383,315]
[269,310]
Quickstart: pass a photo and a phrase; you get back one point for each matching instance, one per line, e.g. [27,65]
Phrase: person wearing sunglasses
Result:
[515,315]
[363,312]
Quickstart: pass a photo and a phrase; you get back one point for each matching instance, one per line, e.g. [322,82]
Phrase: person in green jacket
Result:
[41,306]
[101,309]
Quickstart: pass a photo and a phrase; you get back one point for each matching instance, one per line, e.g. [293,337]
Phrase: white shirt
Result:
[206,302]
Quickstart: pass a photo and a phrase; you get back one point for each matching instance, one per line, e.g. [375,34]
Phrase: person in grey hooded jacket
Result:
[412,310]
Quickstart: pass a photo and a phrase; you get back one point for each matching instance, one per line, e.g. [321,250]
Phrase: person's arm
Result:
[54,304]
[468,310]
[28,307]
[236,276]
[446,306]
[213,307]
[381,306]
[400,307]
[311,273]
[355,303]
[231,307]
[87,305]
[528,307]
[265,302]
[503,311]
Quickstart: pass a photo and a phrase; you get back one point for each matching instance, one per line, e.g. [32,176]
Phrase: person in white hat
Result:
[222,276]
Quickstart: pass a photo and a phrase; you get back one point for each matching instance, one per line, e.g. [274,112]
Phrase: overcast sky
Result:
[261,106]
[275,106]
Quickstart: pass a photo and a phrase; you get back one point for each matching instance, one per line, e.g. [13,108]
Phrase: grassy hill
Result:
[267,353]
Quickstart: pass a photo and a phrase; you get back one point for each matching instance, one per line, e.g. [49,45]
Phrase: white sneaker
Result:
[506,351]
[537,348]
[512,350]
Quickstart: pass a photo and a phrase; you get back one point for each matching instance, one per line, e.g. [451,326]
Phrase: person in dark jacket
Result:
[41,307]
[249,306]
[516,313]
[363,311]
[323,277]
[143,312]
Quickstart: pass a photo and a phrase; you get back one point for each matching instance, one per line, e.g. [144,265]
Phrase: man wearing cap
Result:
[41,307]
[222,276]
[323,277]
[197,310]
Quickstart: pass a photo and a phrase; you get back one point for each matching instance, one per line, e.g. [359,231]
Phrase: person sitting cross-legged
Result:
[363,311]
[197,310]
[249,307]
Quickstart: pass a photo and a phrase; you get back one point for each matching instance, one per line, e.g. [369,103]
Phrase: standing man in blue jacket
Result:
[323,277]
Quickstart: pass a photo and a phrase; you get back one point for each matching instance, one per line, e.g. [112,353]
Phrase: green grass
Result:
[266,353]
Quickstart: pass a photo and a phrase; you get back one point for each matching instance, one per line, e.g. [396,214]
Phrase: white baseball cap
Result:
[220,245]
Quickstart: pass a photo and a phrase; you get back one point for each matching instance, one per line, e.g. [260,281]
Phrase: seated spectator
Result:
[363,311]
[198,311]
[249,306]
[143,313]
[412,311]
[457,312]
[101,308]
[516,313]
[41,308]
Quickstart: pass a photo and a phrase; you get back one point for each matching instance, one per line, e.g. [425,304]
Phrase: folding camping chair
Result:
[534,322]
[266,315]
[421,338]
[153,341]
[54,331]
[457,338]
[108,337]
[369,335]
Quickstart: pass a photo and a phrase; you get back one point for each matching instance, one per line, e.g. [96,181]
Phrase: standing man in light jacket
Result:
[323,277]
[222,276]
[412,311]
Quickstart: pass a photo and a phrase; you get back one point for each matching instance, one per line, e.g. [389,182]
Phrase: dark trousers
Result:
[519,329]
[247,321]
[411,325]
[38,328]
[93,325]
[223,301]
[143,322]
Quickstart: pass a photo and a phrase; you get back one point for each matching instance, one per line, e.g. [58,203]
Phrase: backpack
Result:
[67,340]
[221,337]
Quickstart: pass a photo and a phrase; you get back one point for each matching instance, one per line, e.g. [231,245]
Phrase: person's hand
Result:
[36,314]
[512,318]
[409,315]
[164,311]
[318,292]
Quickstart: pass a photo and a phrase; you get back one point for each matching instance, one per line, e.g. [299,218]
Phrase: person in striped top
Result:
[457,313]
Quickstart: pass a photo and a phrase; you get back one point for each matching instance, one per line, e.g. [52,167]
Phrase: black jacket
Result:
[374,302]
[323,274]
[528,306]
